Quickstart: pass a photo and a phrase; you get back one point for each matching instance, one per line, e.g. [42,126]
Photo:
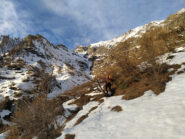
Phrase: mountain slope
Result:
[32,66]
[164,35]
[149,116]
[36,53]
[145,106]
[147,65]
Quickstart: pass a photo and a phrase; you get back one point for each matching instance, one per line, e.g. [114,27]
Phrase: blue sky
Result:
[80,22]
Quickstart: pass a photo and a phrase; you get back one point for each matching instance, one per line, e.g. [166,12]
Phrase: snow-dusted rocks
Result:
[24,58]
[181,11]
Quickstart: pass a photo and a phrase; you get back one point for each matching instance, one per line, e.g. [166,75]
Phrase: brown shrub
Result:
[180,72]
[4,103]
[117,109]
[83,100]
[17,65]
[69,136]
[69,66]
[36,119]
[59,70]
[16,94]
[42,64]
[44,81]
[80,89]
[80,94]
[175,66]
[26,79]
[13,88]
[81,119]
[93,108]
[3,128]
[154,42]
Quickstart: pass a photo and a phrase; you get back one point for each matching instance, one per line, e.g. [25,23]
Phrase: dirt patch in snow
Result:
[117,108]
[85,116]
[69,136]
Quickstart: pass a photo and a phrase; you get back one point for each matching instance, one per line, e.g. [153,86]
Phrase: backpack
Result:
[107,80]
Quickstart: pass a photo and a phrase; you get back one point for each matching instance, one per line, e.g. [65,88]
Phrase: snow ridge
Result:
[181,11]
[137,32]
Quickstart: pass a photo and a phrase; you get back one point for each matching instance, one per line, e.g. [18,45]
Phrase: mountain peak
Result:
[181,11]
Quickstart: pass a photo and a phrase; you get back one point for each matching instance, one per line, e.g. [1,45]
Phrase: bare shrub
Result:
[59,70]
[154,42]
[3,103]
[69,66]
[69,136]
[17,65]
[80,90]
[117,109]
[16,94]
[83,100]
[36,119]
[3,43]
[43,80]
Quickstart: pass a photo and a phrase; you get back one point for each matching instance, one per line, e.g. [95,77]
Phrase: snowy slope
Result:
[69,68]
[146,117]
[25,64]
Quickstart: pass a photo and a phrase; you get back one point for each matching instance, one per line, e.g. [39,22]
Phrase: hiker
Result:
[108,83]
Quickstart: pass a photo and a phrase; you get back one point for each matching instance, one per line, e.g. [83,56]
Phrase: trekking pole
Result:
[100,86]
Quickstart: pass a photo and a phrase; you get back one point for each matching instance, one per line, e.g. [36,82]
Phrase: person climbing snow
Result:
[108,84]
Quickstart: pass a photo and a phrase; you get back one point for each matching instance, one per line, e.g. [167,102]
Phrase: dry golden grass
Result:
[154,42]
[129,78]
